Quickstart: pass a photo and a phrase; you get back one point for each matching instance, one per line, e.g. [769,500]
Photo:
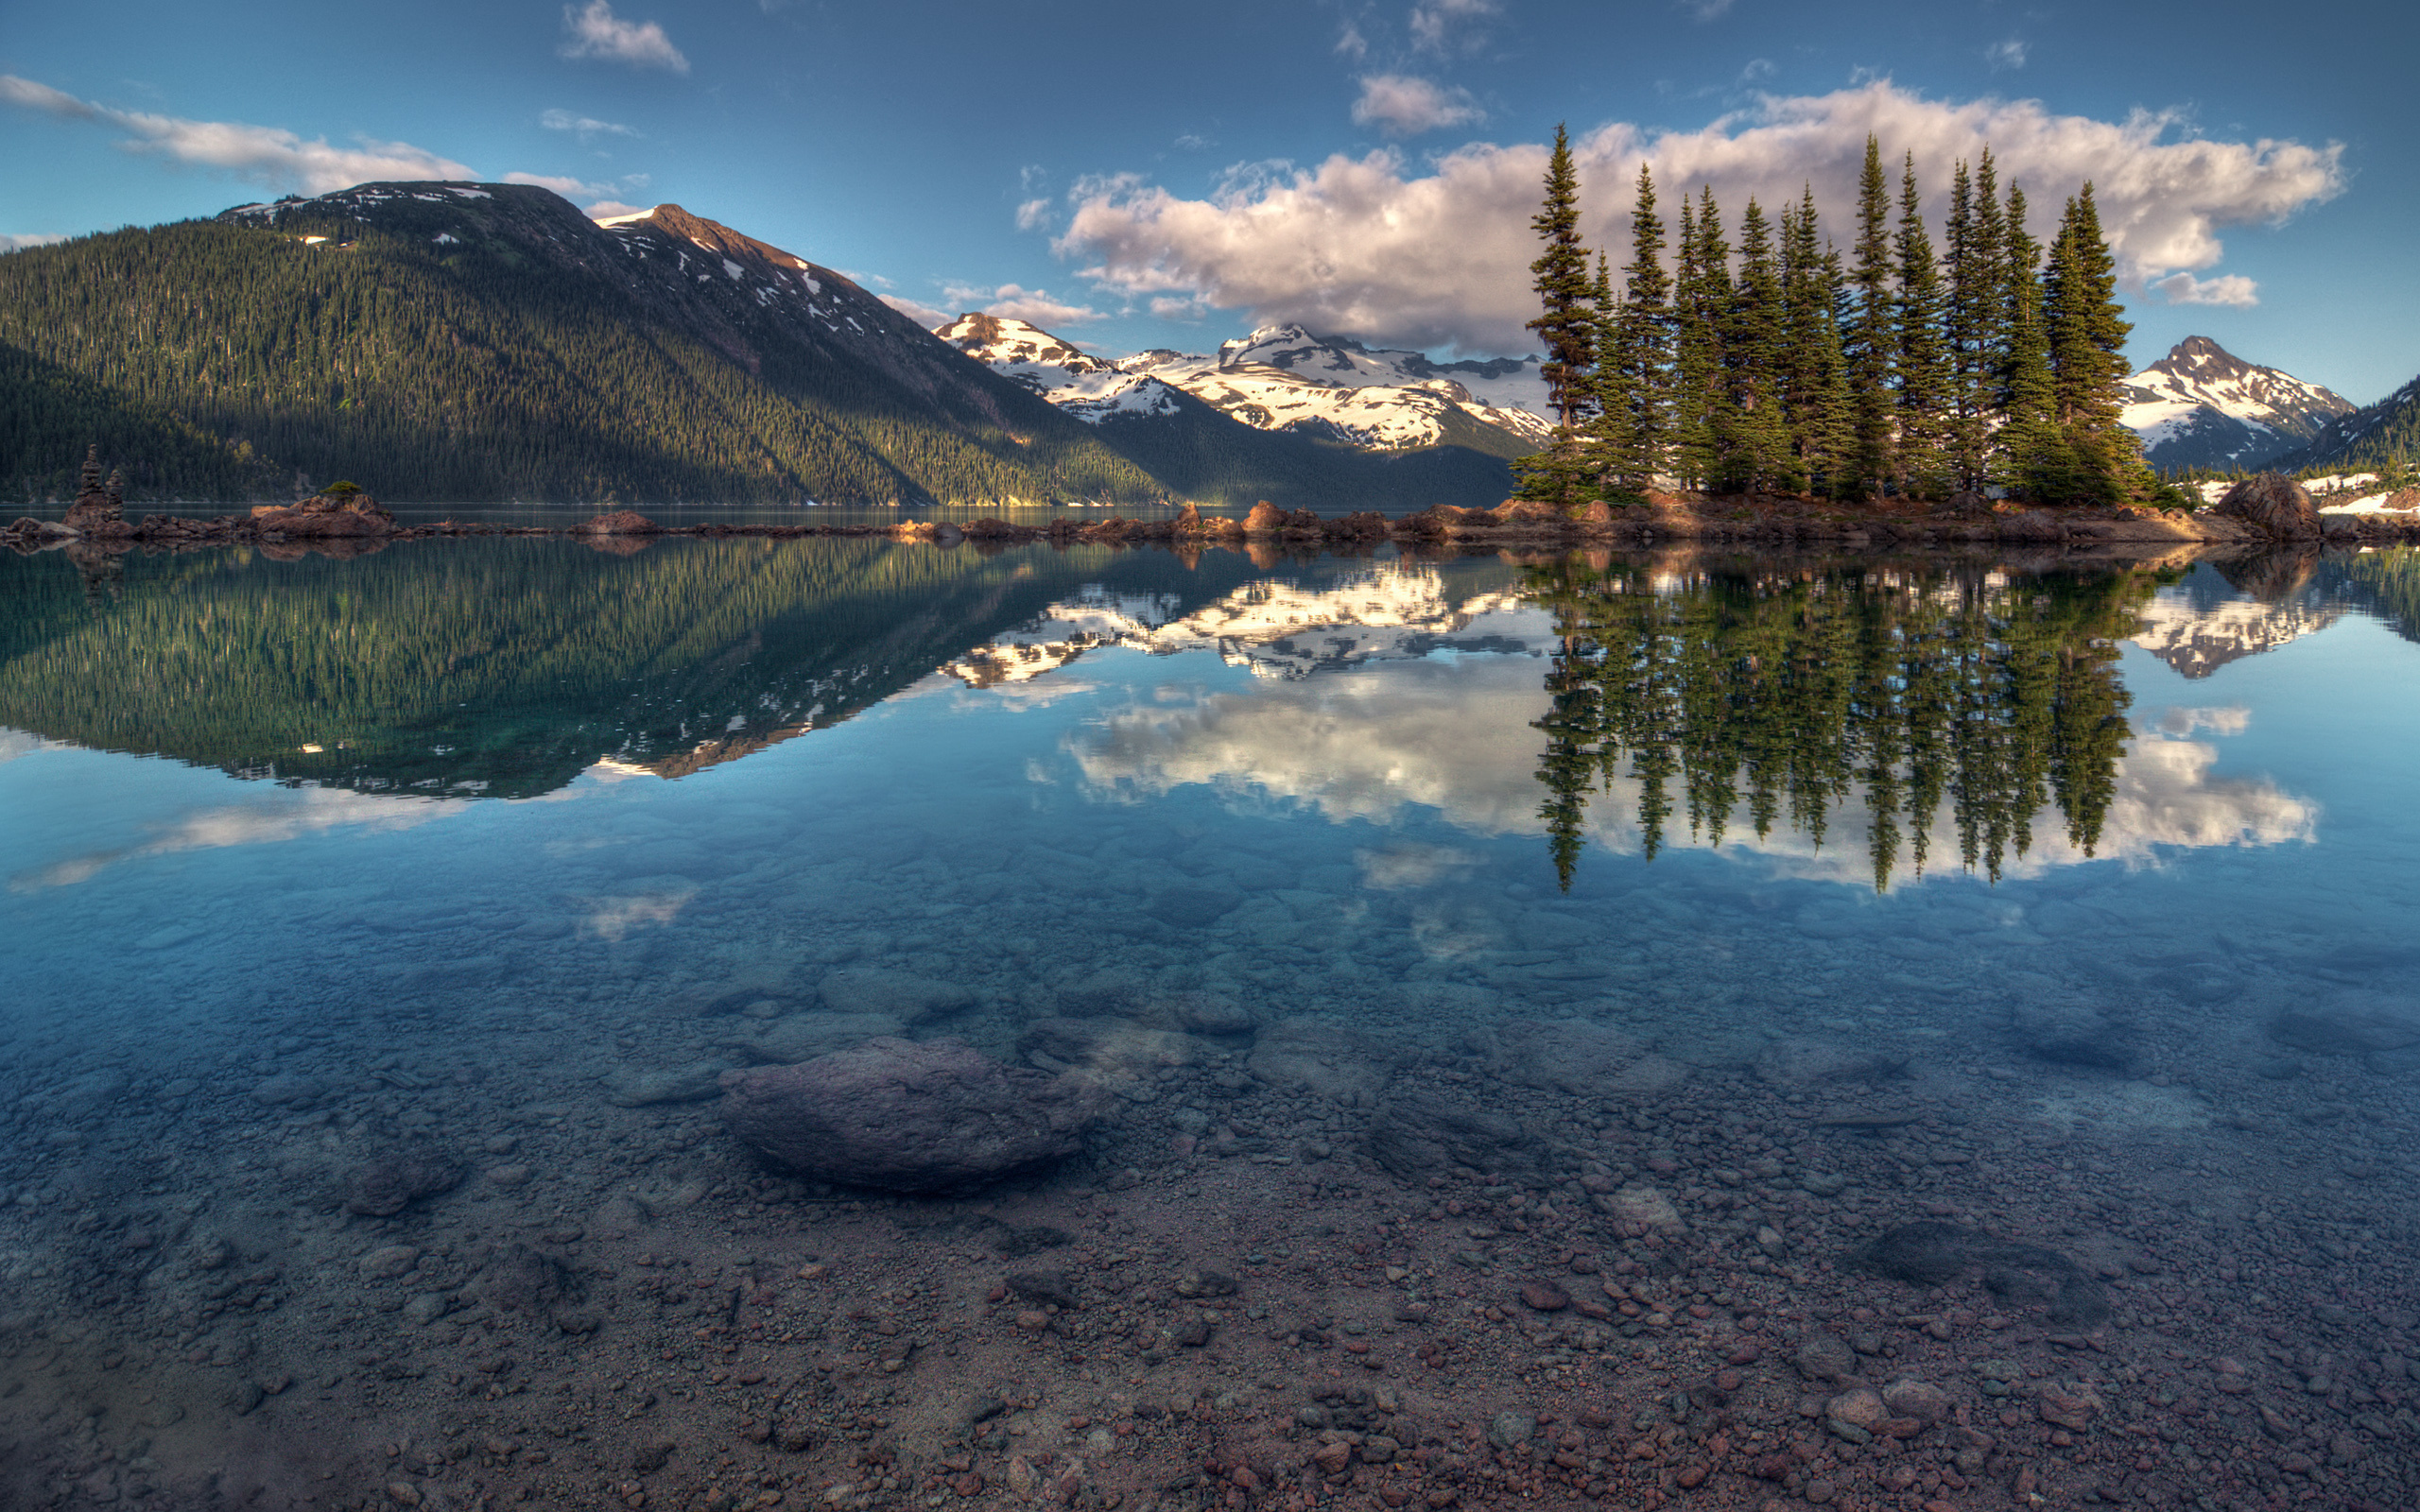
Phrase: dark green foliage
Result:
[1632,433]
[1566,327]
[2086,332]
[2383,437]
[1786,695]
[1755,362]
[1869,335]
[1701,315]
[1922,362]
[50,415]
[501,366]
[1814,378]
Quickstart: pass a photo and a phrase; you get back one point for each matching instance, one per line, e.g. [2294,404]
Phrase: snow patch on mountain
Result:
[2201,406]
[1279,378]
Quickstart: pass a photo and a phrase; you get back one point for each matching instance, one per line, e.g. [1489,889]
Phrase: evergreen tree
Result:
[2086,332]
[1634,440]
[1755,357]
[1566,325]
[1922,356]
[1870,333]
[1700,302]
[2034,454]
[1977,321]
[1814,383]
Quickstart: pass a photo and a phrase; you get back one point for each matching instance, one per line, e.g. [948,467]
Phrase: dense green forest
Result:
[1778,364]
[531,355]
[2384,439]
[1783,693]
[487,342]
[506,666]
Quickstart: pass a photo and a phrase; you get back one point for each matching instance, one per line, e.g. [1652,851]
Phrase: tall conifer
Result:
[1869,333]
[1566,325]
[1633,432]
[1922,392]
[1755,357]
[2086,332]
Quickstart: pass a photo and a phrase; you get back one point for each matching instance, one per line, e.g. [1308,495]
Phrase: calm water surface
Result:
[1778,902]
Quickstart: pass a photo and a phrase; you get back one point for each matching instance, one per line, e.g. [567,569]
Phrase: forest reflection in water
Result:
[1769,695]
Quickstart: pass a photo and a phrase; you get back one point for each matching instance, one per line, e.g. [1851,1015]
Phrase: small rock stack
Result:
[99,508]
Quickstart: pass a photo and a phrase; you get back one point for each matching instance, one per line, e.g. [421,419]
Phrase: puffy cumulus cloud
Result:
[266,154]
[917,310]
[19,241]
[1449,26]
[594,31]
[1015,301]
[2227,288]
[587,128]
[1403,105]
[1368,246]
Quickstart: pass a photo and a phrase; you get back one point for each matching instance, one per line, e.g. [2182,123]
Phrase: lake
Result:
[1891,1032]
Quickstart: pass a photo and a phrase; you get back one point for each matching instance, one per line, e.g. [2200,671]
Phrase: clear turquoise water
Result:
[558,794]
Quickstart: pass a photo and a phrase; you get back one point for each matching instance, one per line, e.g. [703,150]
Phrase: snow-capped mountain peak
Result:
[2202,405]
[1282,378]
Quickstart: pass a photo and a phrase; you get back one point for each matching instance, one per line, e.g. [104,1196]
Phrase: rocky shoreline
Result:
[2260,513]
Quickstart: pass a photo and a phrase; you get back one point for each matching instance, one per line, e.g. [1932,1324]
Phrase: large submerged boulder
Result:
[2274,505]
[931,1117]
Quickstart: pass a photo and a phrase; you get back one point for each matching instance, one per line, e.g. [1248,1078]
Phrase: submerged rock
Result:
[392,1180]
[909,1117]
[634,1088]
[1929,1253]
[1417,1134]
[901,995]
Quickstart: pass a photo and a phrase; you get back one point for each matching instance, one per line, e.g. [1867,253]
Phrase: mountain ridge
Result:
[2201,406]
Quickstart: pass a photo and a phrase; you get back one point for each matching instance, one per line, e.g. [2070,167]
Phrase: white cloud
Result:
[19,241]
[1351,44]
[1403,105]
[595,31]
[1195,142]
[1016,303]
[1757,68]
[587,128]
[2227,288]
[266,154]
[1362,246]
[289,815]
[607,208]
[917,310]
[1032,213]
[568,187]
[2009,54]
[1442,25]
[1708,9]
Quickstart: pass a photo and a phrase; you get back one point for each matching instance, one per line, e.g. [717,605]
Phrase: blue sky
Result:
[1170,176]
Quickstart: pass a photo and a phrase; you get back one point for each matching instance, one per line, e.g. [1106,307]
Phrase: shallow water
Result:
[1779,903]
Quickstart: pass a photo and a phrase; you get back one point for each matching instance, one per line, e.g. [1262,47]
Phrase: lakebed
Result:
[1523,991]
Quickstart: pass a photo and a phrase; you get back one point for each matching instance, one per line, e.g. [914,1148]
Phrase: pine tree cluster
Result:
[1775,364]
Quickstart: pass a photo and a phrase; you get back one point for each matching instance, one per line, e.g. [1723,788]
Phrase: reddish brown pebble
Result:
[1747,1353]
[1442,1496]
[970,1484]
[1726,1381]
[1690,1477]
[997,1294]
[1545,1296]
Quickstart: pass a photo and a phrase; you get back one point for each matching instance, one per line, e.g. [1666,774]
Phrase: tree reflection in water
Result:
[1769,695]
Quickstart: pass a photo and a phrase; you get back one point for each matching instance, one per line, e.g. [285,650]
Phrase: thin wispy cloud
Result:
[1443,26]
[18,242]
[917,310]
[267,154]
[594,31]
[1403,105]
[2006,56]
[1708,9]
[1032,213]
[587,128]
[1439,256]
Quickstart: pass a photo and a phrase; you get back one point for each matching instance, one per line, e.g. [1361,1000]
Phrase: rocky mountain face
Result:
[1283,378]
[2384,436]
[2201,406]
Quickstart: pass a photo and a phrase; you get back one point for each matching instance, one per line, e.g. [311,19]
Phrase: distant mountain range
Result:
[481,343]
[2379,438]
[1282,378]
[2201,406]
